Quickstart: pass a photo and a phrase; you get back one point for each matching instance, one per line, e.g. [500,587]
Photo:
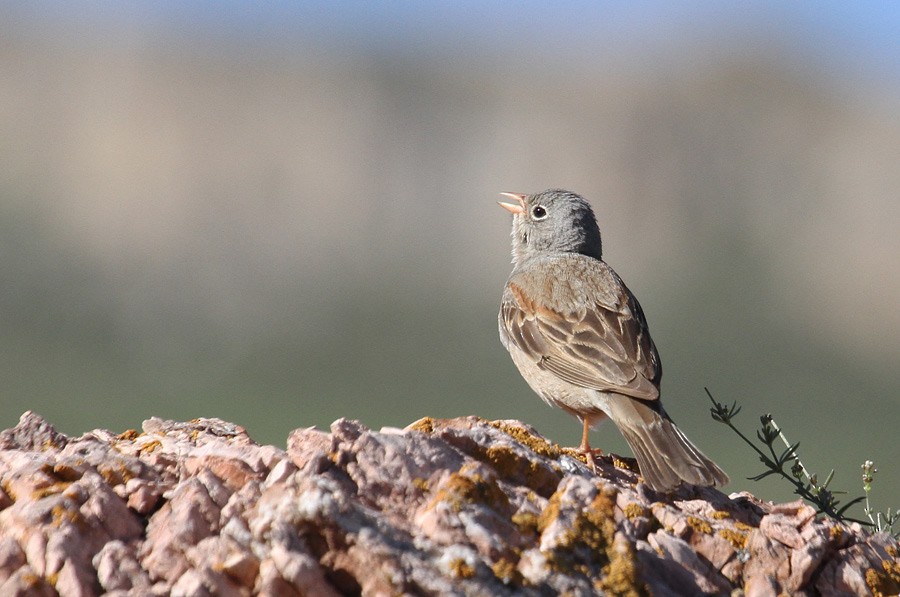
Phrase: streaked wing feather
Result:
[600,348]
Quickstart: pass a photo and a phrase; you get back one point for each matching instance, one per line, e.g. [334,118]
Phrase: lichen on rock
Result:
[445,506]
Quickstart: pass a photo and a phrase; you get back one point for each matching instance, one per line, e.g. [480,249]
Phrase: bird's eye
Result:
[538,212]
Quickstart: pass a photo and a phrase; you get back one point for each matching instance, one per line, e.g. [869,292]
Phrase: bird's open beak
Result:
[512,208]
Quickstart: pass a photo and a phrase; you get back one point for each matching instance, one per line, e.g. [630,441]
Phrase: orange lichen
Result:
[65,472]
[629,464]
[549,513]
[699,525]
[620,575]
[461,569]
[737,540]
[424,425]
[574,453]
[892,569]
[518,468]
[462,489]
[62,515]
[50,444]
[527,522]
[592,535]
[48,490]
[150,446]
[6,486]
[886,582]
[634,510]
[537,444]
[596,528]
[115,472]
[507,572]
[129,435]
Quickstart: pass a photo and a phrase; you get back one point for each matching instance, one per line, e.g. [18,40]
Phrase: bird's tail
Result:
[665,455]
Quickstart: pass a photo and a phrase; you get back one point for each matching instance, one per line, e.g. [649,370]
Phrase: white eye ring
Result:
[538,212]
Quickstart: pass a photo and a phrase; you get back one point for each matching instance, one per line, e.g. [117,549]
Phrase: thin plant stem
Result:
[811,491]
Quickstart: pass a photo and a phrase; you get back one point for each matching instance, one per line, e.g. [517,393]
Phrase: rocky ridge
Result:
[447,507]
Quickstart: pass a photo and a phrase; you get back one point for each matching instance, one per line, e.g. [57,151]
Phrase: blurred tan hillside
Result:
[285,235]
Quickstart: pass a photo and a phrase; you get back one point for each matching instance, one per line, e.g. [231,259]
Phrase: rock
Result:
[25,582]
[11,558]
[461,506]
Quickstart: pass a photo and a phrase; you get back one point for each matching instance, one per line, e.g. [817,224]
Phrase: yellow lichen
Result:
[507,572]
[420,484]
[115,472]
[66,472]
[150,446]
[504,460]
[129,435]
[425,425]
[886,582]
[517,468]
[628,464]
[620,576]
[50,444]
[461,489]
[550,513]
[891,550]
[737,540]
[574,453]
[536,444]
[62,515]
[836,532]
[48,490]
[6,486]
[460,569]
[595,528]
[634,510]
[721,514]
[527,522]
[743,527]
[699,525]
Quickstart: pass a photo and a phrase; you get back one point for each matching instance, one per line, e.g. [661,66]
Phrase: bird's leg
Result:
[585,447]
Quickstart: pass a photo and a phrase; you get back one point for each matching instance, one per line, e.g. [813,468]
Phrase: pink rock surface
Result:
[445,507]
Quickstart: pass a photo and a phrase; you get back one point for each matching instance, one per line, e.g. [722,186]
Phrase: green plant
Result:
[880,521]
[787,464]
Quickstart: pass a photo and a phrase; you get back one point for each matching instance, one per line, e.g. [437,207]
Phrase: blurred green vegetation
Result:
[291,238]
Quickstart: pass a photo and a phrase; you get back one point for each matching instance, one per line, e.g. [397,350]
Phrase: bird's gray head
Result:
[553,221]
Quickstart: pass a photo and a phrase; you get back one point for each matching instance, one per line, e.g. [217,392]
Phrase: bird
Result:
[580,339]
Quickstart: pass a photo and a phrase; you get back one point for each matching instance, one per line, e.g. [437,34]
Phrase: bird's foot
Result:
[584,447]
[589,454]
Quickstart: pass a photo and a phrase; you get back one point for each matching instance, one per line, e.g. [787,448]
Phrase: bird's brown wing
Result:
[602,347]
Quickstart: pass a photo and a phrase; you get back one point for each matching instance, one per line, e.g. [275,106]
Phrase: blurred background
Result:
[282,216]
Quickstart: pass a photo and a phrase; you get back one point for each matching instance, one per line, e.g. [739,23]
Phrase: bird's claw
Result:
[589,454]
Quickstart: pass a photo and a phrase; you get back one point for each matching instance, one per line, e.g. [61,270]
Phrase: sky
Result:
[858,37]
